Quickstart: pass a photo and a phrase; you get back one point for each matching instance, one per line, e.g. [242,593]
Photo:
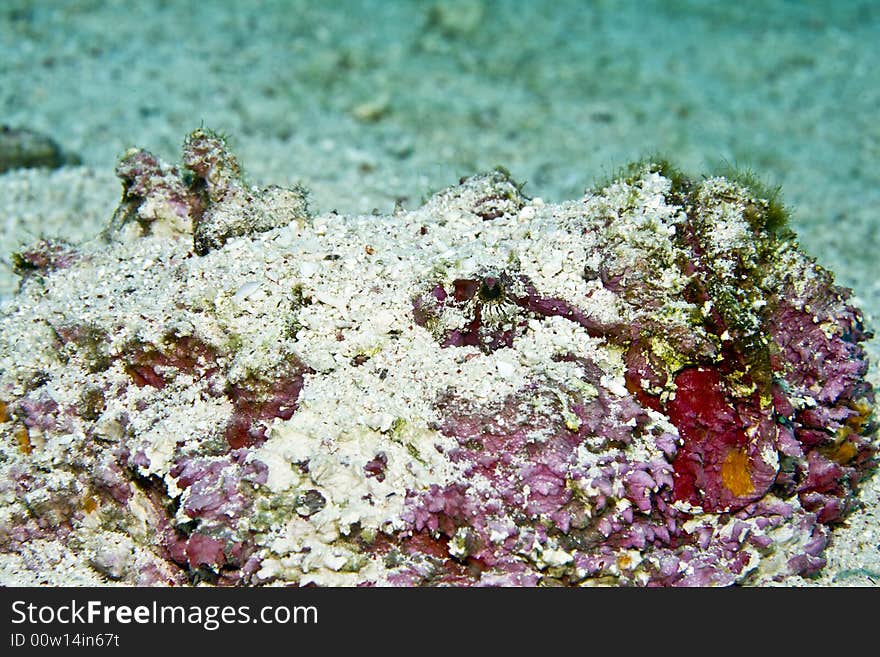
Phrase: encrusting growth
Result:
[164,200]
[648,385]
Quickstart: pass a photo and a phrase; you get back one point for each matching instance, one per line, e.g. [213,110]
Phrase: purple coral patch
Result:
[256,403]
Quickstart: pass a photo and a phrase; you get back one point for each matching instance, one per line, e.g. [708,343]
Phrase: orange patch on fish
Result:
[736,473]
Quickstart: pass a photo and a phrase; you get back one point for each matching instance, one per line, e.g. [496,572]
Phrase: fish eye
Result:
[490,289]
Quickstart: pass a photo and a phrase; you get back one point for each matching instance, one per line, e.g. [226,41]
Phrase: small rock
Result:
[21,148]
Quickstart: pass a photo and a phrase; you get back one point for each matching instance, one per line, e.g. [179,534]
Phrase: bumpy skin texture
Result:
[645,386]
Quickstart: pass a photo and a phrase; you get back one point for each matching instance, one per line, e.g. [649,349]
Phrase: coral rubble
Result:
[649,385]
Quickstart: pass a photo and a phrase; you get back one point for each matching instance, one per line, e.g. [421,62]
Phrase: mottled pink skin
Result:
[644,371]
[215,167]
[256,403]
[376,467]
[38,410]
[516,488]
[836,364]
[17,531]
[488,335]
[140,170]
[542,306]
[495,450]
[829,370]
[159,574]
[217,491]
[144,175]
[148,364]
[203,550]
[218,495]
[111,478]
[518,491]
[713,426]
[427,562]
[45,256]
[212,486]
